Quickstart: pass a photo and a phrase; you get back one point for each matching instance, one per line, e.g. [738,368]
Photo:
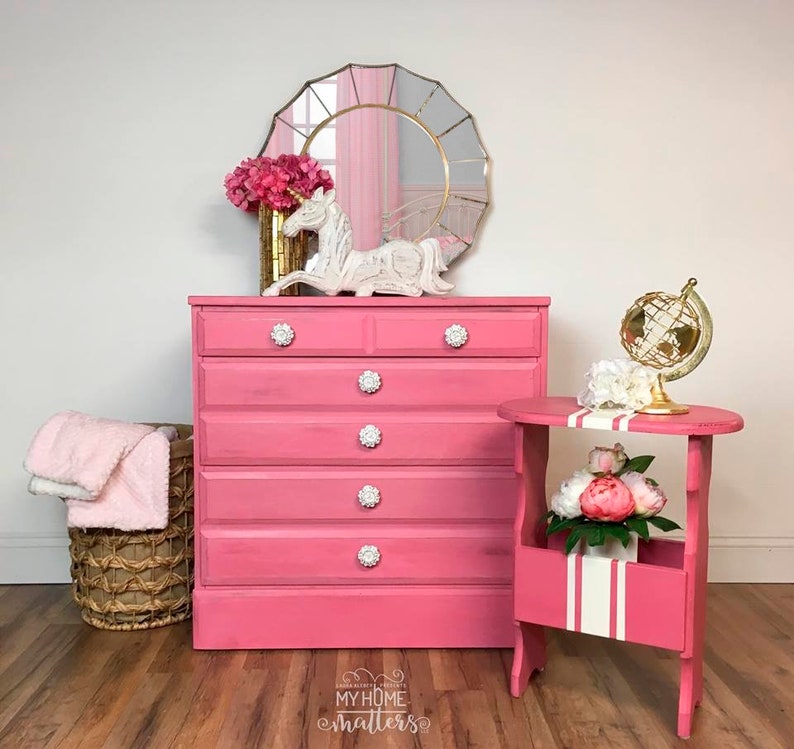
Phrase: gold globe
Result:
[670,334]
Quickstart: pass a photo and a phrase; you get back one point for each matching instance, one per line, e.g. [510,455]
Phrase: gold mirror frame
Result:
[477,203]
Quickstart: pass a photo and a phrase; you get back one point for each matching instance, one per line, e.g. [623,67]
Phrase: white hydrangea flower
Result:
[617,383]
[565,501]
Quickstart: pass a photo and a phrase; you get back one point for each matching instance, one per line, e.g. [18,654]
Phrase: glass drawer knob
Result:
[369,381]
[456,335]
[282,334]
[369,436]
[369,495]
[368,555]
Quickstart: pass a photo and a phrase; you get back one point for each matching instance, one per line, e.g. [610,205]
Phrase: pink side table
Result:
[659,600]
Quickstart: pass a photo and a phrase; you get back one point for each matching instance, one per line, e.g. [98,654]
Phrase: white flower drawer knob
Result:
[368,555]
[456,335]
[368,496]
[282,334]
[369,381]
[369,436]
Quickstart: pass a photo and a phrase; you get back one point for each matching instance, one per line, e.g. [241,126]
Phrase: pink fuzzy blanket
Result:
[111,474]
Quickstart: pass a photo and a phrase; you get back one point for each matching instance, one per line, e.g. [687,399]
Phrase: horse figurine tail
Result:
[432,265]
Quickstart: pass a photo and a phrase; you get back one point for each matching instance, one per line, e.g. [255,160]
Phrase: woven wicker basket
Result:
[141,580]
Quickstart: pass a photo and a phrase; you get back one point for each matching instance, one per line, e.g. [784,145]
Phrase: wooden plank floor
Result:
[66,684]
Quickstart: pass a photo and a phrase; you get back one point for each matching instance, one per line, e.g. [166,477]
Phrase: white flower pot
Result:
[611,549]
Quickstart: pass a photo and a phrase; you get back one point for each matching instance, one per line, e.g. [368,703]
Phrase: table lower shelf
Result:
[643,602]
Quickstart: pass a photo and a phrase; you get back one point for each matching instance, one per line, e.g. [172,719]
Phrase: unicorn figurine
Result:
[397,267]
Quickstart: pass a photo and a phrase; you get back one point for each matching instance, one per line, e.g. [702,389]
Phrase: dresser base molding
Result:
[343,617]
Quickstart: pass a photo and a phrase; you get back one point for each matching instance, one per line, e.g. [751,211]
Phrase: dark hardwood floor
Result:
[65,684]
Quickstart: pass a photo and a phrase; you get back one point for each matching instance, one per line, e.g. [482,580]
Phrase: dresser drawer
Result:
[509,332]
[387,332]
[298,437]
[367,495]
[250,332]
[311,555]
[345,382]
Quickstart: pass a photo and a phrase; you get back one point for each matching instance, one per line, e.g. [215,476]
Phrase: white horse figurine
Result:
[397,267]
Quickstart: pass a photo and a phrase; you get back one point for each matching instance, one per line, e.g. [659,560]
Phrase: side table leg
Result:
[696,559]
[531,458]
[529,655]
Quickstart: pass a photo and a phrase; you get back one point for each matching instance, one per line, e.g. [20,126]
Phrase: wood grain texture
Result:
[64,684]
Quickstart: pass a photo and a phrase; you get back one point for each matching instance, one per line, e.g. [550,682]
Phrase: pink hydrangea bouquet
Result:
[610,497]
[274,182]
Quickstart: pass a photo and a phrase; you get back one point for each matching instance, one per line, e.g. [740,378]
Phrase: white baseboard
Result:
[747,559]
[44,558]
[34,558]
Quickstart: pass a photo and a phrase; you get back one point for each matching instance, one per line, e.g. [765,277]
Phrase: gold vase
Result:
[279,255]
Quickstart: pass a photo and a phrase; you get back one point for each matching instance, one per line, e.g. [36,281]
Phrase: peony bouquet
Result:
[275,182]
[610,497]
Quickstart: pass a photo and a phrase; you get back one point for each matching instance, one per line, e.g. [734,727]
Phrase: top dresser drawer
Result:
[448,331]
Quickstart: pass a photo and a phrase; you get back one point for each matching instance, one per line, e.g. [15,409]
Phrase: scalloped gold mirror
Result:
[406,159]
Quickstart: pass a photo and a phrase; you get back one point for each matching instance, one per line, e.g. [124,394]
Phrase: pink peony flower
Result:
[648,499]
[606,459]
[607,498]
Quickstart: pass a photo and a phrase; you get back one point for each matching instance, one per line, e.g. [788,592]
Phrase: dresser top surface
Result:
[379,301]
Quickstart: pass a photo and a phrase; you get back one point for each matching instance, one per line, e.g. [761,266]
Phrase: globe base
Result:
[661,403]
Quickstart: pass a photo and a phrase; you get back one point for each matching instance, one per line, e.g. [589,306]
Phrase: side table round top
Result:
[566,412]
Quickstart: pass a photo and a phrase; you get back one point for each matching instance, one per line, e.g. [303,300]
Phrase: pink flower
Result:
[648,499]
[238,188]
[606,459]
[273,182]
[607,498]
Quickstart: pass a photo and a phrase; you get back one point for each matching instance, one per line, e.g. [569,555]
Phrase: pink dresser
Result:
[354,484]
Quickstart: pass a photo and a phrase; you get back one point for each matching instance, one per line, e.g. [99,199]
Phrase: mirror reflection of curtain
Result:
[367,156]
[284,137]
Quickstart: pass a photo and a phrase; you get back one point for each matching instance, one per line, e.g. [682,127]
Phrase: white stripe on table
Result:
[620,595]
[574,416]
[570,603]
[596,588]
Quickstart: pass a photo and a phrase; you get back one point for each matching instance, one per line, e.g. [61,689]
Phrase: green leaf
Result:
[573,539]
[553,521]
[663,524]
[619,532]
[652,482]
[596,535]
[639,464]
[561,524]
[639,526]
[547,515]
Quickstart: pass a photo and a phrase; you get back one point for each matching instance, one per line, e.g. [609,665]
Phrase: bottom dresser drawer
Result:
[315,555]
[398,616]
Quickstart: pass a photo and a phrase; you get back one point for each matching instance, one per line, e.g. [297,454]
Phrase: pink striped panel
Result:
[644,603]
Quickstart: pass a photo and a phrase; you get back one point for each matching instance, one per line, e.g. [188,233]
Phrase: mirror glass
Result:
[406,158]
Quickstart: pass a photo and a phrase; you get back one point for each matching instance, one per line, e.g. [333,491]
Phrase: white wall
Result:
[634,144]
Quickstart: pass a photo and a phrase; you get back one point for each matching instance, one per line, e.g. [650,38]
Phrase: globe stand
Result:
[661,403]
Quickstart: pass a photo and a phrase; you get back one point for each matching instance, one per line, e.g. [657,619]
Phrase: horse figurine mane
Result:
[396,267]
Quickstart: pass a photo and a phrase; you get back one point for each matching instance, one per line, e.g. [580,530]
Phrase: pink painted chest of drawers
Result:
[354,484]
